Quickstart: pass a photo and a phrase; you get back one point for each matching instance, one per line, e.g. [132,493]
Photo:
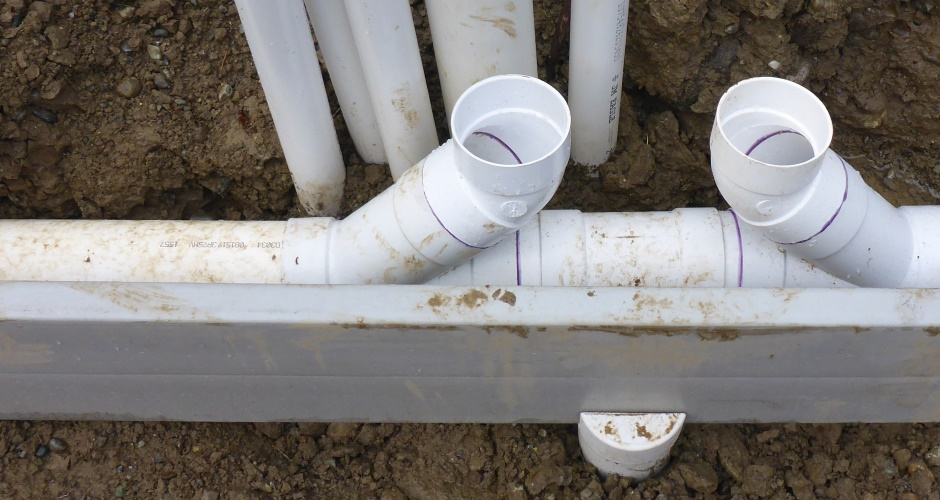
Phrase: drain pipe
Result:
[476,39]
[684,248]
[772,163]
[282,48]
[335,38]
[595,75]
[388,47]
[510,148]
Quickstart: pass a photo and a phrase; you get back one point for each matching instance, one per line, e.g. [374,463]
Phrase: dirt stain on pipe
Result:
[501,23]
[15,353]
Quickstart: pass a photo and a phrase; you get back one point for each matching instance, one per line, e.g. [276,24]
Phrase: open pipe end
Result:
[513,136]
[770,135]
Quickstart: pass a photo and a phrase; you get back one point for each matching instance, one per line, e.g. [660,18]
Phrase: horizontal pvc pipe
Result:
[466,196]
[335,38]
[388,47]
[687,248]
[476,39]
[772,164]
[282,48]
[595,75]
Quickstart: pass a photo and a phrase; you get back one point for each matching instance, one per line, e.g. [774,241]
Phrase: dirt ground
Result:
[152,109]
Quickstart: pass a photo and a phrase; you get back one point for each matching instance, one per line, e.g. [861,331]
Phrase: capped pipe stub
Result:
[513,136]
[770,135]
[634,445]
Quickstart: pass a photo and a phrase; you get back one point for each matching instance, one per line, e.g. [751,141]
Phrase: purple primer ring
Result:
[519,161]
[737,227]
[501,143]
[768,136]
[845,196]
[438,219]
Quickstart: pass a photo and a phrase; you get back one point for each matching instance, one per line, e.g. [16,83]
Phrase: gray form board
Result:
[397,353]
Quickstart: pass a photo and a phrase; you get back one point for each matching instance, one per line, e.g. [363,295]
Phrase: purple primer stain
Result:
[519,161]
[737,227]
[438,219]
[768,136]
[845,196]
[501,143]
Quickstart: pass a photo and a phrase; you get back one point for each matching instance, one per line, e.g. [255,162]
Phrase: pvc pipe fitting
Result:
[687,248]
[595,75]
[282,48]
[335,38]
[772,164]
[476,39]
[391,61]
[631,445]
[438,214]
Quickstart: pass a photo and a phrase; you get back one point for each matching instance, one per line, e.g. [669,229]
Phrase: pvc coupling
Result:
[772,164]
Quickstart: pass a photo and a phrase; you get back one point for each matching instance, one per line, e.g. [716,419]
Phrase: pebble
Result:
[46,115]
[129,88]
[42,451]
[201,134]
[160,33]
[699,476]
[154,52]
[120,492]
[225,91]
[161,81]
[933,456]
[57,445]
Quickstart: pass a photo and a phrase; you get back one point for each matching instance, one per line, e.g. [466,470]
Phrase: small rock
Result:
[699,476]
[225,91]
[154,52]
[42,451]
[45,115]
[768,435]
[272,430]
[160,33]
[757,480]
[129,88]
[933,456]
[342,431]
[161,81]
[542,476]
[57,445]
[58,37]
[120,492]
[141,443]
[902,457]
[201,134]
[100,441]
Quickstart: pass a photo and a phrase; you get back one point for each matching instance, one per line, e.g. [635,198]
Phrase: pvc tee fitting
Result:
[771,162]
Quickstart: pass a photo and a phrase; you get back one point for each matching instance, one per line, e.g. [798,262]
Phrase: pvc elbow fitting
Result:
[772,163]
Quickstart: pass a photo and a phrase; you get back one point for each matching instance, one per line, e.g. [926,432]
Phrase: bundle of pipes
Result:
[801,216]
[372,56]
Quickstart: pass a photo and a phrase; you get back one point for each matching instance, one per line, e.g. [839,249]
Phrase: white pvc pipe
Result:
[684,248]
[503,165]
[282,47]
[772,164]
[476,39]
[334,35]
[595,77]
[388,47]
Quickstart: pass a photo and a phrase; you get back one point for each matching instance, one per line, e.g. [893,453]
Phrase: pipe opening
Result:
[783,148]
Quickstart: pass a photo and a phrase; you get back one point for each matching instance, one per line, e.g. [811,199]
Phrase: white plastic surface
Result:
[632,445]
[924,271]
[513,139]
[335,38]
[772,164]
[476,39]
[595,75]
[282,47]
[388,48]
[689,248]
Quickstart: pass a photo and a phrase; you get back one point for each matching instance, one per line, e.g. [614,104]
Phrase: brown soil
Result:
[194,139]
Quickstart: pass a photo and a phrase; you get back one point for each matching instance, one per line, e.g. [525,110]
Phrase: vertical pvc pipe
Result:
[334,35]
[595,77]
[477,39]
[282,47]
[388,47]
